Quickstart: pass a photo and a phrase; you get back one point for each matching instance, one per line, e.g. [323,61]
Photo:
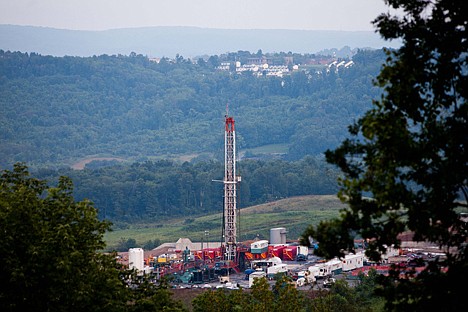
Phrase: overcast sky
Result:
[235,14]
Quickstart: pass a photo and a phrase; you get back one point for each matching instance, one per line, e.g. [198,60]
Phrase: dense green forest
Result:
[154,190]
[57,110]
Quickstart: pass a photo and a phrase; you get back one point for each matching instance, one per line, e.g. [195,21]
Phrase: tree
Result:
[286,295]
[406,165]
[262,298]
[149,297]
[49,249]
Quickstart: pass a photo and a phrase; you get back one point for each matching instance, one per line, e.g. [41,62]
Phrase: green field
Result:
[295,214]
[270,149]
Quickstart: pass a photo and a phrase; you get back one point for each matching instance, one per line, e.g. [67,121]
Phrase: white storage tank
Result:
[136,259]
[278,236]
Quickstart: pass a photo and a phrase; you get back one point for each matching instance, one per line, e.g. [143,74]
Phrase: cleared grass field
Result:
[295,214]
[268,149]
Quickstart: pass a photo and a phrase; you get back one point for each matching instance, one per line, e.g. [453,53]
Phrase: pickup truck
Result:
[327,283]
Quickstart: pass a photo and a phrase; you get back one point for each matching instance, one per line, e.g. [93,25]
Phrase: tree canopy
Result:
[50,254]
[58,110]
[164,189]
[406,165]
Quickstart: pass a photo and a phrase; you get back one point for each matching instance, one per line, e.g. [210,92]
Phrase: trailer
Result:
[263,265]
[303,250]
[332,267]
[277,269]
[259,247]
[253,276]
[353,261]
[314,271]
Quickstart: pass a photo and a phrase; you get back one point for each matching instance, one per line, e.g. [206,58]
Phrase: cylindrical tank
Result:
[136,259]
[278,236]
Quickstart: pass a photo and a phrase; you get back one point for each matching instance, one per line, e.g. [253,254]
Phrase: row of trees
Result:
[163,189]
[283,296]
[58,109]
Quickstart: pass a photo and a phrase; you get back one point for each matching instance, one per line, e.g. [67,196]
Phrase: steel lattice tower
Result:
[230,196]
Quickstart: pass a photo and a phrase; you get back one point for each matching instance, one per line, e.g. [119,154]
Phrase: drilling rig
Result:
[230,191]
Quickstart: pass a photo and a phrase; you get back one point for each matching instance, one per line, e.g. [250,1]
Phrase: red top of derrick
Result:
[229,123]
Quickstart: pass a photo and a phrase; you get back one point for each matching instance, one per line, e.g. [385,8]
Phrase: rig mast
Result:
[230,190]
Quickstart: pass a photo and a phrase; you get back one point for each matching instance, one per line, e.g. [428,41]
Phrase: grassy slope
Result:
[295,214]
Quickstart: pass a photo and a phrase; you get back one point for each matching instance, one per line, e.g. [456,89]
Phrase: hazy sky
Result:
[236,14]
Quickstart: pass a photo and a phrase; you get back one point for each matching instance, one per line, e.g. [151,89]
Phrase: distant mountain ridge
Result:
[185,41]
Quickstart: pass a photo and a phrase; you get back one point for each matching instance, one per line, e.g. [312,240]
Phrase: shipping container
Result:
[277,251]
[198,254]
[290,253]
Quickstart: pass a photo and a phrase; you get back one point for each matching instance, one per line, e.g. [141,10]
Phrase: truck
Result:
[305,277]
[328,282]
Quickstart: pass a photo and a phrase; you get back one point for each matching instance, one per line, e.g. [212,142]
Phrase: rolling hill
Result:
[295,214]
[57,111]
[172,41]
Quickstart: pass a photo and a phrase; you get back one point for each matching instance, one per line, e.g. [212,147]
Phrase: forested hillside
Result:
[57,110]
[165,189]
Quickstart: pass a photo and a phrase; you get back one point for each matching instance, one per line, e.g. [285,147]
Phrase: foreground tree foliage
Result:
[284,296]
[49,253]
[406,167]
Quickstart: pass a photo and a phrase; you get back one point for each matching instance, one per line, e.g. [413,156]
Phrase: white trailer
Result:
[303,250]
[332,267]
[353,261]
[253,276]
[314,270]
[259,247]
[281,268]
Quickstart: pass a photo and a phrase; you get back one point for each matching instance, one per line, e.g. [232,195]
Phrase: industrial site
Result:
[233,264]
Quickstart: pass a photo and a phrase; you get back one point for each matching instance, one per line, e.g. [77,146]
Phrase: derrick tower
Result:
[230,190]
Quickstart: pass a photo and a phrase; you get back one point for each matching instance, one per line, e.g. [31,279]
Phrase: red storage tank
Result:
[290,253]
